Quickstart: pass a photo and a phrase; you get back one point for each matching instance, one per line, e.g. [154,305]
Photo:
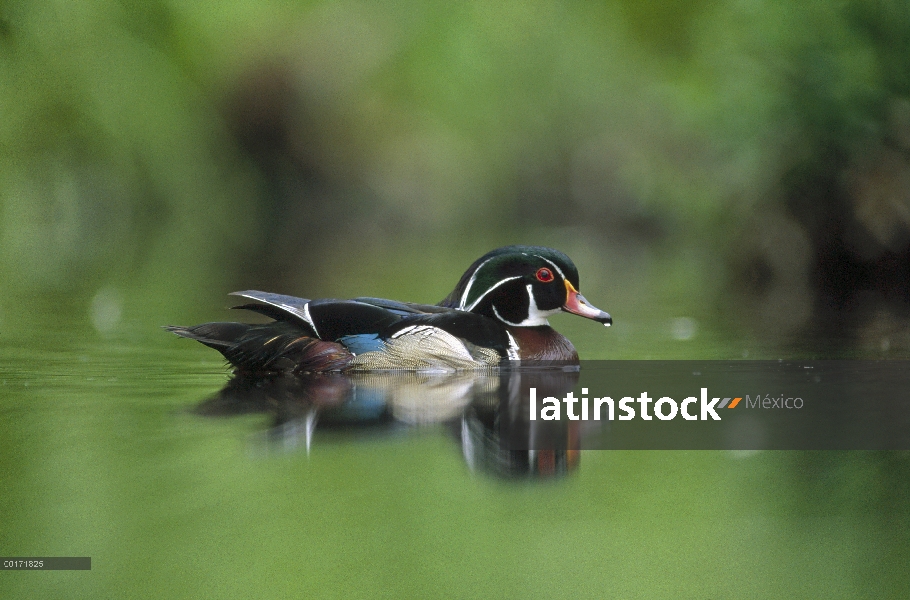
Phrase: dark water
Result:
[129,449]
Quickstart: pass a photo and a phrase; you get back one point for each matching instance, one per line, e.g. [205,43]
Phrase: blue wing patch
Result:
[364,342]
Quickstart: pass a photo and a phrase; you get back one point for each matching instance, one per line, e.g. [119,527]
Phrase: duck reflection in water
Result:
[486,412]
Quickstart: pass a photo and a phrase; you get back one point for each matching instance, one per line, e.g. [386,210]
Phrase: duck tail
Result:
[270,348]
[213,335]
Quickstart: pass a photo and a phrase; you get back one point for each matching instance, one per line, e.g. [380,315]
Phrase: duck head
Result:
[522,286]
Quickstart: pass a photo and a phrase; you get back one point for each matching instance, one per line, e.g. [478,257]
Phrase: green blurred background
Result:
[732,179]
[743,166]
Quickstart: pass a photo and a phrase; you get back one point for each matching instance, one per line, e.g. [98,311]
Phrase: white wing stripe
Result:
[309,319]
[513,352]
[403,331]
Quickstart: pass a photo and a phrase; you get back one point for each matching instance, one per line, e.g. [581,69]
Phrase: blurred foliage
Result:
[743,164]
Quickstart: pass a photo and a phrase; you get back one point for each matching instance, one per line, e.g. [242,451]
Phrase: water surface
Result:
[107,450]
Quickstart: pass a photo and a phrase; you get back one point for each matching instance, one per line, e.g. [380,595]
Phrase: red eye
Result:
[545,275]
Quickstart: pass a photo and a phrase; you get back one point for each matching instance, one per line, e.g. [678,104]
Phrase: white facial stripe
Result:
[499,316]
[467,289]
[558,270]
[498,283]
[309,319]
[532,303]
[536,317]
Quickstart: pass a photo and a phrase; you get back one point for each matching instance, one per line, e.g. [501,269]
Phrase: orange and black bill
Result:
[577,305]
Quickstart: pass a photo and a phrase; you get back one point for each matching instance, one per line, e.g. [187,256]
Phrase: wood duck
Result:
[496,314]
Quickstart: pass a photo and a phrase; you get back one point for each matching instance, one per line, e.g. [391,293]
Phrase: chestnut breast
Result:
[543,343]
